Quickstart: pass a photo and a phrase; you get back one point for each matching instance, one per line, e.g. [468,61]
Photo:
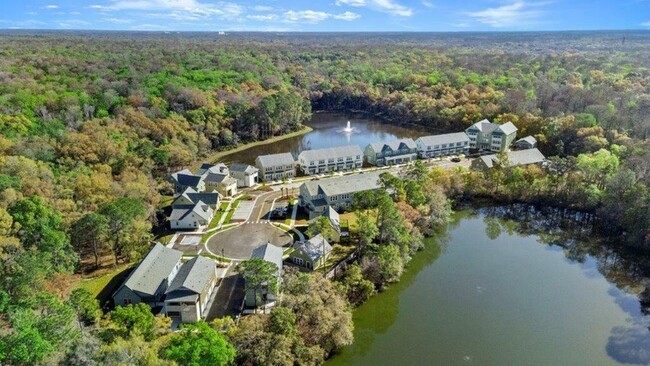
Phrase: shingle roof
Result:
[219,168]
[394,144]
[269,253]
[345,184]
[485,126]
[188,180]
[194,275]
[314,248]
[330,153]
[244,168]
[508,128]
[276,159]
[529,139]
[519,157]
[210,198]
[156,266]
[181,212]
[447,138]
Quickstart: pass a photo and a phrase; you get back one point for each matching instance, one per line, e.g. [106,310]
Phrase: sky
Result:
[326,15]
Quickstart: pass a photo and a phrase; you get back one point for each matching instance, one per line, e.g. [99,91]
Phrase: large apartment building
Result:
[276,166]
[318,195]
[334,159]
[391,152]
[487,136]
[442,145]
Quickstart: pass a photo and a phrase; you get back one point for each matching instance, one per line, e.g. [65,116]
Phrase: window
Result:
[174,313]
[298,261]
[127,301]
[358,157]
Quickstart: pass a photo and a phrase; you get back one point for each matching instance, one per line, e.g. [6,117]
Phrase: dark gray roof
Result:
[448,138]
[188,180]
[314,248]
[244,168]
[194,275]
[210,198]
[179,213]
[276,159]
[394,144]
[345,184]
[519,157]
[330,153]
[156,266]
[269,253]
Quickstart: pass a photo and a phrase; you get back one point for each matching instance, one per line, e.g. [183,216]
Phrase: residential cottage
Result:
[149,281]
[515,158]
[266,297]
[188,297]
[246,175]
[312,253]
[391,152]
[528,142]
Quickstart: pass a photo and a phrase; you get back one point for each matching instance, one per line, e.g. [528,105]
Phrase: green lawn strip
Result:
[208,255]
[217,215]
[165,201]
[233,207]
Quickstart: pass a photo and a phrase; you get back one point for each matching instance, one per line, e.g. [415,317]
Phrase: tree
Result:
[134,350]
[121,215]
[39,226]
[85,305]
[90,232]
[259,275]
[357,289]
[367,231]
[199,345]
[321,225]
[131,319]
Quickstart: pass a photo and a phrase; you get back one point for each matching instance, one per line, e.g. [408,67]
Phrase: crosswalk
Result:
[258,222]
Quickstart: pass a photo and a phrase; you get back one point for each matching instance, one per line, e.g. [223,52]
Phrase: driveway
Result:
[229,297]
[238,243]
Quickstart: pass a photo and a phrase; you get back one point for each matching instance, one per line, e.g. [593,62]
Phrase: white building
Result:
[246,175]
[333,159]
[442,145]
[276,166]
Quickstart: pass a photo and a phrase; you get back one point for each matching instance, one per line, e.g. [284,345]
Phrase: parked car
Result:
[455,159]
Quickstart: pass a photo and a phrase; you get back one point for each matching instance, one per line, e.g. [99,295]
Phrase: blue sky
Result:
[327,15]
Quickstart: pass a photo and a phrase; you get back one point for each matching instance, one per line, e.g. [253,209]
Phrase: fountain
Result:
[348,128]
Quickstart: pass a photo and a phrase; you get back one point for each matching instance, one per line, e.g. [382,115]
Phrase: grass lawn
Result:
[217,215]
[165,201]
[232,210]
[339,252]
[103,286]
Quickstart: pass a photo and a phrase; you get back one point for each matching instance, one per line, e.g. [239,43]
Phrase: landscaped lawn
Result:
[339,252]
[232,210]
[217,215]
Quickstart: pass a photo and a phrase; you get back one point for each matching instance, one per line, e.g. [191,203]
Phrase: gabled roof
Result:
[244,168]
[189,194]
[519,157]
[269,253]
[314,248]
[393,145]
[190,180]
[219,168]
[199,208]
[330,153]
[448,138]
[345,184]
[508,128]
[485,126]
[154,268]
[193,276]
[276,159]
[529,139]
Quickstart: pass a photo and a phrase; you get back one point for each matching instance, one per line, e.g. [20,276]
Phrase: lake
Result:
[487,292]
[327,132]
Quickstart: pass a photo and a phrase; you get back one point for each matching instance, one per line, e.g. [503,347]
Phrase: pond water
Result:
[328,132]
[487,293]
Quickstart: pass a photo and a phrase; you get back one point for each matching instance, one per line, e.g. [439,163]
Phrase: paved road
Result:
[239,242]
[262,207]
[229,297]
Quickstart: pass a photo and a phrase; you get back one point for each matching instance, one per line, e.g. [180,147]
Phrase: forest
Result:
[91,123]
